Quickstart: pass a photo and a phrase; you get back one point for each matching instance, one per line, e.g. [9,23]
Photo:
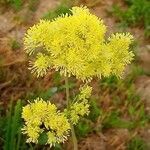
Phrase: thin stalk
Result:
[19,140]
[67,91]
[74,139]
[31,146]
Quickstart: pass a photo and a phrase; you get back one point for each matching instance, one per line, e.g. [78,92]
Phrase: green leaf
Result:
[83,128]
[95,111]
[42,139]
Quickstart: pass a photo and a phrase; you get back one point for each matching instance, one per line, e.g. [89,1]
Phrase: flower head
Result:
[78,110]
[52,140]
[118,47]
[80,106]
[41,64]
[75,44]
[85,92]
[32,131]
[41,116]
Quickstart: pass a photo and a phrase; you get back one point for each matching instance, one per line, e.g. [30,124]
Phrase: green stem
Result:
[19,140]
[74,139]
[31,146]
[67,91]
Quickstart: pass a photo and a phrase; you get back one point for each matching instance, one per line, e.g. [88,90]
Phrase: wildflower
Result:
[33,132]
[59,124]
[42,116]
[76,45]
[85,92]
[33,39]
[52,140]
[118,45]
[35,112]
[80,105]
[41,64]
[78,110]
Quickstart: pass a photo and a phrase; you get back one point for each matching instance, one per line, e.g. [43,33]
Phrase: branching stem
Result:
[74,139]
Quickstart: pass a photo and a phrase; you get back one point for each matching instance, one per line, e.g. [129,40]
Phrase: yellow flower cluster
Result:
[76,45]
[43,117]
[85,92]
[79,108]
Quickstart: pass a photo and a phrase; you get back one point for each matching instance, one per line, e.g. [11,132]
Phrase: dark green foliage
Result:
[138,114]
[15,45]
[57,147]
[95,111]
[137,144]
[56,78]
[136,71]
[42,139]
[61,9]
[111,82]
[12,139]
[123,95]
[83,128]
[16,4]
[137,14]
[2,125]
[113,120]
[137,117]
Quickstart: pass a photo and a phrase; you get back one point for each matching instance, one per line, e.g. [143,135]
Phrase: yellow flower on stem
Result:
[76,45]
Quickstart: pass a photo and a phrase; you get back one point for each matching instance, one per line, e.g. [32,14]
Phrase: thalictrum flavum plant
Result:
[75,45]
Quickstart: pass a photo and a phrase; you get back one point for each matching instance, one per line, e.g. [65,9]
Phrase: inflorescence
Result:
[42,117]
[74,45]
